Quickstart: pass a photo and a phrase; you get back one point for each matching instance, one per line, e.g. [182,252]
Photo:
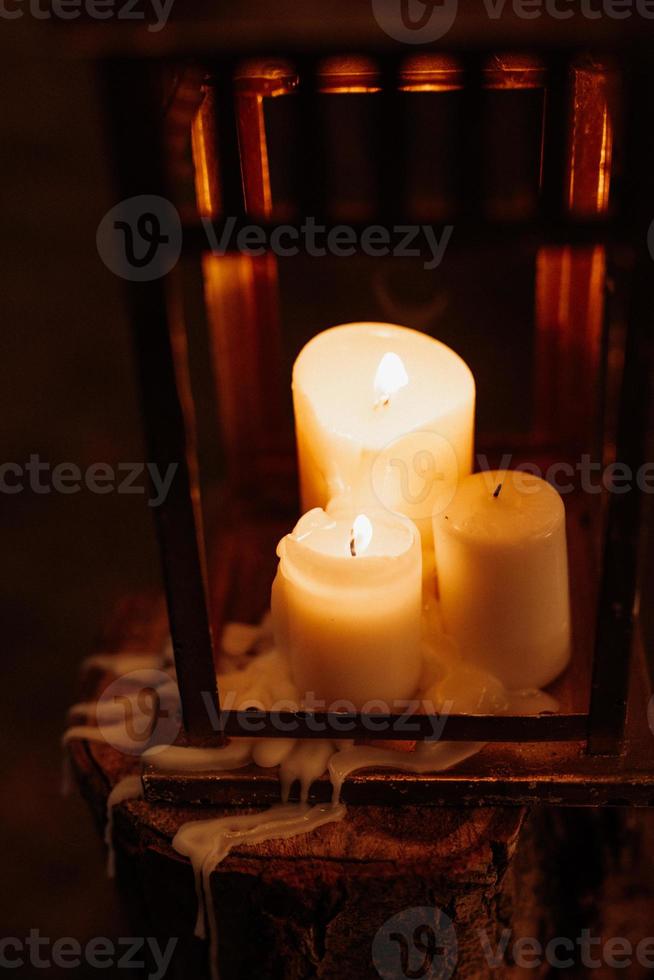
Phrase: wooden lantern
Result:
[542,163]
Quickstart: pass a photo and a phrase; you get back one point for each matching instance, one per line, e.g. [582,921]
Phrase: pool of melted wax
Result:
[447,685]
[109,718]
[264,681]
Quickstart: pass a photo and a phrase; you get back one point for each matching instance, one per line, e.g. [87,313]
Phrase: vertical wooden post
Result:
[135,121]
[621,552]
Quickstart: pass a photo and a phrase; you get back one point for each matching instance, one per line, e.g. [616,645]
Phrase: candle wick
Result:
[353,544]
[383,401]
[496,491]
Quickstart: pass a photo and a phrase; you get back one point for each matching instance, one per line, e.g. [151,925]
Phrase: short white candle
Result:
[502,570]
[386,413]
[346,606]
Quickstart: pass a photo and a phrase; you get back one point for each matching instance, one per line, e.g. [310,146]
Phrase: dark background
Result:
[67,377]
[69,395]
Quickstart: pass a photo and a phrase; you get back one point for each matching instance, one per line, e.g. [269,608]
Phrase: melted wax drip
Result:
[208,842]
[129,788]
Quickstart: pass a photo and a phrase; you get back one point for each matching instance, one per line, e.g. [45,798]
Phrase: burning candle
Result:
[386,413]
[346,605]
[502,570]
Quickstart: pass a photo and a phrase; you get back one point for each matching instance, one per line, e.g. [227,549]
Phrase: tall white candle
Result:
[385,412]
[503,576]
[346,606]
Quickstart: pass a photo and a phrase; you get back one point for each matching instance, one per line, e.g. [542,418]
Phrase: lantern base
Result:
[513,773]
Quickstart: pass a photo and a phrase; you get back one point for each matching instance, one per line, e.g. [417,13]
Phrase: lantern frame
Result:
[598,756]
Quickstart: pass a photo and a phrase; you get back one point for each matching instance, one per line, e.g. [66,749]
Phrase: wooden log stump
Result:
[311,906]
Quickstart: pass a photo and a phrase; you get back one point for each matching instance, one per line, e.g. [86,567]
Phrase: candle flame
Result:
[360,535]
[390,377]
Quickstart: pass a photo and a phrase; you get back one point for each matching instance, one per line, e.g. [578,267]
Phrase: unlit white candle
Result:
[503,576]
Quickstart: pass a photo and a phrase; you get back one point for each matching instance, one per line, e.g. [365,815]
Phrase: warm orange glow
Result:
[443,73]
[605,163]
[265,77]
[203,142]
[570,281]
[347,75]
[591,140]
[256,169]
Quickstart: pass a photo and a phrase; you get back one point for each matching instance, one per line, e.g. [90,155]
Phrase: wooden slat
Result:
[616,619]
[232,200]
[556,138]
[470,160]
[310,176]
[133,107]
[388,788]
[453,728]
[392,142]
